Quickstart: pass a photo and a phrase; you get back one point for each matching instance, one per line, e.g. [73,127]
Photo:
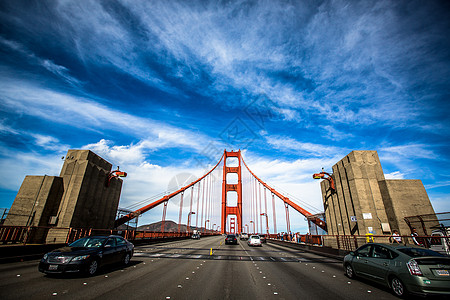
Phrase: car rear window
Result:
[417,252]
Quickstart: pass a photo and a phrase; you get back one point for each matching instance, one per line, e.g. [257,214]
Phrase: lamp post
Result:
[247,229]
[213,226]
[267,222]
[189,221]
[207,221]
[253,226]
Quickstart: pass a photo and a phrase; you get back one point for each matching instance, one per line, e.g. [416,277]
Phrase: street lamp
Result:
[207,221]
[247,228]
[267,222]
[253,226]
[189,220]
[213,226]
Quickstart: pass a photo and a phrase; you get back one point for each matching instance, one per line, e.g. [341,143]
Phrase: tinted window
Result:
[364,251]
[417,252]
[381,252]
[120,242]
[111,242]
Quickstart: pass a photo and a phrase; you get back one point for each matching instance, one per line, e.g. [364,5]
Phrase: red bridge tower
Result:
[232,210]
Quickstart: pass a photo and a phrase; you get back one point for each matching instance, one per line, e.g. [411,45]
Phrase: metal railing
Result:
[30,234]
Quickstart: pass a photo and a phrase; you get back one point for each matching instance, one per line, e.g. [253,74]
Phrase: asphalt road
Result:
[186,270]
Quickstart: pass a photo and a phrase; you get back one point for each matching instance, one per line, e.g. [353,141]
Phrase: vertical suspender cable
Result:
[208,187]
[274,215]
[256,204]
[181,212]
[288,221]
[190,209]
[260,210]
[267,215]
[164,216]
[198,205]
[203,204]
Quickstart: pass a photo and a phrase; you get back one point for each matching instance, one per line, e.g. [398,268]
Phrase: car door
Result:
[121,245]
[109,251]
[360,260]
[379,263]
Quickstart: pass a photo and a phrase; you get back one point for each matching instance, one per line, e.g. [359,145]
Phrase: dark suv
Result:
[231,239]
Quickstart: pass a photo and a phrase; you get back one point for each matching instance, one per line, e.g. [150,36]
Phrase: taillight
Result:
[413,268]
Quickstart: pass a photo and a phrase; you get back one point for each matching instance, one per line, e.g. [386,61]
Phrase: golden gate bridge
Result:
[247,204]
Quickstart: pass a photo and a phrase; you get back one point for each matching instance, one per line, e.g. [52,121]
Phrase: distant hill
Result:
[169,226]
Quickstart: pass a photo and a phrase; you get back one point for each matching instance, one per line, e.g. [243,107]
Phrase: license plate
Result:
[442,272]
[53,267]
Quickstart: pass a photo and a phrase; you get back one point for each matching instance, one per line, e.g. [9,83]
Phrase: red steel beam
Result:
[146,208]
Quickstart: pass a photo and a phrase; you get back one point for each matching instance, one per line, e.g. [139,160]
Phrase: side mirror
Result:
[352,253]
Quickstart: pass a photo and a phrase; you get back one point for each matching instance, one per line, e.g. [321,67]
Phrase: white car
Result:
[254,240]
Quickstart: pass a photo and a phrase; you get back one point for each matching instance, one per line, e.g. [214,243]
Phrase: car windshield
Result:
[417,252]
[231,236]
[89,242]
[255,237]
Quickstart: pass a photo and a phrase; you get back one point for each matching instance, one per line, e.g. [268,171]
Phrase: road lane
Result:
[186,270]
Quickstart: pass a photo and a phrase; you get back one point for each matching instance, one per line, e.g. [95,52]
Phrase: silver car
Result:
[403,268]
[254,240]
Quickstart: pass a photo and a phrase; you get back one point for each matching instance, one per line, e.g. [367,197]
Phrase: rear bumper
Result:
[423,286]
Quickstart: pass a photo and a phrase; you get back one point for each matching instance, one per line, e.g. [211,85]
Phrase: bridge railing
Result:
[352,242]
[39,234]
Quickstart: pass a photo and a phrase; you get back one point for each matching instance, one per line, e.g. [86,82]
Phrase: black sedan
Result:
[87,255]
[231,239]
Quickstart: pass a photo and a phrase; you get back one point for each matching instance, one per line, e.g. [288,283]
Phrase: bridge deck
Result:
[186,270]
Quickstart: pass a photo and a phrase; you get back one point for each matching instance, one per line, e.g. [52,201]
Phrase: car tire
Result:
[126,259]
[92,267]
[349,271]
[397,287]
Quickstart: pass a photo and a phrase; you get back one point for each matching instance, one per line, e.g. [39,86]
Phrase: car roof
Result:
[395,246]
[103,236]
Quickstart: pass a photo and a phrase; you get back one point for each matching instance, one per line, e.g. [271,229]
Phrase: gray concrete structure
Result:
[405,198]
[365,202]
[80,197]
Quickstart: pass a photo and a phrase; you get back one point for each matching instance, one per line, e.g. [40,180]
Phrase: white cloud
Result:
[19,164]
[410,151]
[288,144]
[394,175]
[27,98]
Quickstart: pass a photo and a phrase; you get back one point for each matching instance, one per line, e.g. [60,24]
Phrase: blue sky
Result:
[158,87]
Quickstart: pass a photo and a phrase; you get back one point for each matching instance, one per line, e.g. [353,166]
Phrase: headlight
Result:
[45,256]
[80,257]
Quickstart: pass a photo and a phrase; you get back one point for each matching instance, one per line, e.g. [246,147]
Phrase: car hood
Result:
[74,251]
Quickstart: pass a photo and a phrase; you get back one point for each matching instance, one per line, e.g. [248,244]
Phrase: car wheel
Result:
[349,271]
[397,287]
[126,259]
[92,267]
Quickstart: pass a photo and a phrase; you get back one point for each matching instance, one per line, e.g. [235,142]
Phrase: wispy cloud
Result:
[410,151]
[49,65]
[80,112]
[288,144]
